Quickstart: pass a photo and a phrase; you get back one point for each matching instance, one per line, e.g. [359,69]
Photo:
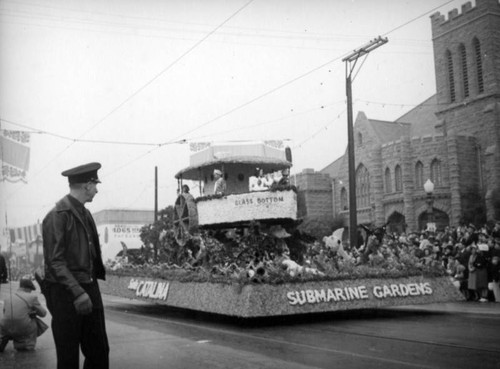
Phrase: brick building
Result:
[452,139]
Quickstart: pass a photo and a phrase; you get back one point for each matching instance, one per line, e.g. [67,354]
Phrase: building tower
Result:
[467,66]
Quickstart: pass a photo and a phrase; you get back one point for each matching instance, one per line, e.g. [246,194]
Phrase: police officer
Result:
[73,263]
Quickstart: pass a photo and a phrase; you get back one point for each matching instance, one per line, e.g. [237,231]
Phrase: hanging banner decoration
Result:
[14,154]
[26,234]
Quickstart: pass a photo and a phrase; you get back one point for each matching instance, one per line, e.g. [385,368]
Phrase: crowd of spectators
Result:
[470,256]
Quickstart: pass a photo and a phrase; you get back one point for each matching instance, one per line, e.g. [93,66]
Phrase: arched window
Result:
[436,172]
[479,64]
[362,187]
[388,181]
[463,67]
[360,139]
[398,178]
[451,77]
[344,204]
[419,175]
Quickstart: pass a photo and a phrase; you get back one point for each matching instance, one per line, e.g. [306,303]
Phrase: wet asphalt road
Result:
[151,336]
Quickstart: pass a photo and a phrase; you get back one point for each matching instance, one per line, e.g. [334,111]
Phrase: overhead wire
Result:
[300,76]
[137,91]
[414,19]
[32,130]
[212,134]
[266,93]
[259,32]
[405,24]
[284,85]
[73,139]
[168,67]
[266,33]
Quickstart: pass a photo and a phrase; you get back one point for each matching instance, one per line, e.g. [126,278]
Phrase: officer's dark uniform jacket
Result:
[71,246]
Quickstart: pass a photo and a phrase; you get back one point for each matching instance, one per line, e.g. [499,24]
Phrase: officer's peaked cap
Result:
[83,173]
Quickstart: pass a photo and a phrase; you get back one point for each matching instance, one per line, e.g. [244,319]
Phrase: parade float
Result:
[241,253]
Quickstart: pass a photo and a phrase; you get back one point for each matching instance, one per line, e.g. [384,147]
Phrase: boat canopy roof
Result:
[264,155]
[266,163]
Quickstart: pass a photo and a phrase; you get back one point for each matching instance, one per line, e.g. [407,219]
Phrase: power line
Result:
[399,27]
[414,19]
[256,32]
[246,103]
[167,68]
[298,77]
[267,122]
[32,130]
[149,83]
[72,139]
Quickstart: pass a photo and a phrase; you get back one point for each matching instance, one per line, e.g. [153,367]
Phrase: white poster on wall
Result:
[113,237]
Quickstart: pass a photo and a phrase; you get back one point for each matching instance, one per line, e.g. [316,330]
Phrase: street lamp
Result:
[429,190]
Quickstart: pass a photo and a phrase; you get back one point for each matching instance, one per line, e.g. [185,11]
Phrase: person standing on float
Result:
[73,263]
[220,183]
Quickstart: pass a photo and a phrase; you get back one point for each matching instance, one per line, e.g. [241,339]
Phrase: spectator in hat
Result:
[18,323]
[495,232]
[73,263]
[220,183]
[478,275]
[459,277]
[447,255]
[470,236]
[495,250]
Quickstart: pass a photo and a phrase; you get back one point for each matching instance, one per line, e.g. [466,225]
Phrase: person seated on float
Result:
[281,179]
[220,183]
[259,182]
[285,177]
[275,178]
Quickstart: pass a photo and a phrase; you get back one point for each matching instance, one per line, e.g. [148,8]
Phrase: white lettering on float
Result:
[357,293]
[149,289]
[402,290]
[327,295]
[259,200]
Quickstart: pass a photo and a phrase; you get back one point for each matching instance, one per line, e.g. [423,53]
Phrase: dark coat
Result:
[69,247]
[3,270]
[494,273]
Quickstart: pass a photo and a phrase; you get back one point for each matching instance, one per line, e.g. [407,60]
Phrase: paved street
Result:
[454,335]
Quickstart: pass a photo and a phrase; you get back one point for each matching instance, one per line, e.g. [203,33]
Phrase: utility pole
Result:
[155,251]
[350,64]
[156,194]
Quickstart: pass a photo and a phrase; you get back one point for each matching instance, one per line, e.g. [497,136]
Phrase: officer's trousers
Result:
[72,331]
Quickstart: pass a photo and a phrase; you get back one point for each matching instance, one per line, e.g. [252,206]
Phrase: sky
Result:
[131,84]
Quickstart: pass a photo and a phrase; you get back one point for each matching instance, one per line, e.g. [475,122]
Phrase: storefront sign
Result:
[125,230]
[384,291]
[149,289]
